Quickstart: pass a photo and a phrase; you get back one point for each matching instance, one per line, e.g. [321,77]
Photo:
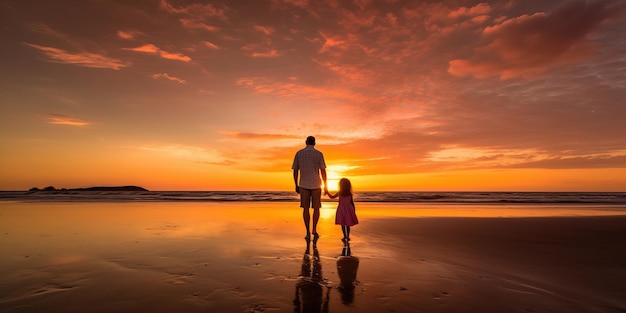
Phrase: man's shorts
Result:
[310,198]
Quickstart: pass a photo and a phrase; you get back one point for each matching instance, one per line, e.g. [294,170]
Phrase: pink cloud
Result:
[147,48]
[261,51]
[292,90]
[174,56]
[86,59]
[196,9]
[258,136]
[357,19]
[480,19]
[264,29]
[168,77]
[267,54]
[65,120]
[479,9]
[529,45]
[349,72]
[152,49]
[127,35]
[196,16]
[191,23]
[297,3]
[210,45]
[331,42]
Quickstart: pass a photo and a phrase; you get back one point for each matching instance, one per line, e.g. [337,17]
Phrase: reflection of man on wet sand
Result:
[347,266]
[310,287]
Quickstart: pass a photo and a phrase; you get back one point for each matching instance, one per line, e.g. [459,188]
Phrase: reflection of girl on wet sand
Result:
[347,266]
[310,287]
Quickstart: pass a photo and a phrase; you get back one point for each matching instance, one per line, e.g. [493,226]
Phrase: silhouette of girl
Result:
[346,211]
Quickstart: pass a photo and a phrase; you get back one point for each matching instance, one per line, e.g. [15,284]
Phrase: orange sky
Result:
[401,95]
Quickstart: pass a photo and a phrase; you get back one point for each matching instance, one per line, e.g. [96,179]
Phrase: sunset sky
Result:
[459,95]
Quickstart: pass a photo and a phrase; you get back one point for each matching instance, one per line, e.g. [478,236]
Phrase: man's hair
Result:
[310,140]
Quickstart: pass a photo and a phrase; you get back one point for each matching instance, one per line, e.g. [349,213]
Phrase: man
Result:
[309,164]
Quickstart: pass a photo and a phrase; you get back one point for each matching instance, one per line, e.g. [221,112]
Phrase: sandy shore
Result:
[251,257]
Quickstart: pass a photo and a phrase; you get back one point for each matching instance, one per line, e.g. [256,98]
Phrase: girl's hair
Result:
[345,187]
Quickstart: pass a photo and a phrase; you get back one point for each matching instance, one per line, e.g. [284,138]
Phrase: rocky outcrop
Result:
[99,188]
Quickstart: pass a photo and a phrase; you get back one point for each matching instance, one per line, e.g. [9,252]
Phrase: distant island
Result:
[100,188]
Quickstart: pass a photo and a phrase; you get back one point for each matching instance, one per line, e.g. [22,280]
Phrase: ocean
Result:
[596,198]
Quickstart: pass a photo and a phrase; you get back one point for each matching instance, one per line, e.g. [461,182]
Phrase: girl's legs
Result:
[346,232]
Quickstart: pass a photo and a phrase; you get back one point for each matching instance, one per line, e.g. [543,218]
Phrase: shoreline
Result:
[445,198]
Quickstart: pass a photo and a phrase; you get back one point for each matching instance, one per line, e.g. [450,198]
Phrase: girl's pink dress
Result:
[346,214]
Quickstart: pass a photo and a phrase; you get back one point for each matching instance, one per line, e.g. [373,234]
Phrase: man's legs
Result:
[316,201]
[305,204]
[306,216]
[316,217]
[310,198]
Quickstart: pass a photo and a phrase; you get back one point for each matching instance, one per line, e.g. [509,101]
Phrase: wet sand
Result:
[251,257]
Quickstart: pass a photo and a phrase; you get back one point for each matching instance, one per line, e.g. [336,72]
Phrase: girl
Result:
[346,211]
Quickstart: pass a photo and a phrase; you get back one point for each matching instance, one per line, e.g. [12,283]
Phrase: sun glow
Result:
[335,173]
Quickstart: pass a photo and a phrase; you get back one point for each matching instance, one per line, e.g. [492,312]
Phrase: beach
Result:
[252,257]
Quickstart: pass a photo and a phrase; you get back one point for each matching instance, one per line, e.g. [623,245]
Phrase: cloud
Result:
[65,120]
[174,56]
[168,77]
[298,3]
[480,19]
[257,136]
[147,48]
[264,48]
[210,45]
[152,49]
[201,155]
[220,163]
[50,32]
[272,53]
[528,45]
[294,90]
[196,16]
[193,24]
[264,29]
[331,42]
[405,152]
[602,161]
[479,9]
[196,9]
[127,35]
[385,155]
[349,72]
[85,59]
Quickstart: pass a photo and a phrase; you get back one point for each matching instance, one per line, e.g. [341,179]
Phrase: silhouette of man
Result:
[309,165]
